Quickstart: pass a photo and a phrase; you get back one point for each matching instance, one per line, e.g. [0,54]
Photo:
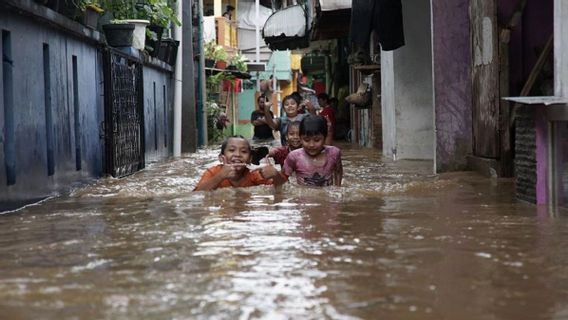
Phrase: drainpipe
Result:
[257,40]
[187,92]
[177,85]
[201,90]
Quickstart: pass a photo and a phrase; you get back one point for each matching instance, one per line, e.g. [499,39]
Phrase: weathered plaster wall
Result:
[413,84]
[388,104]
[452,83]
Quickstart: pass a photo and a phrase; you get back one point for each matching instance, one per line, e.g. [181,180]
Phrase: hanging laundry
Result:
[382,16]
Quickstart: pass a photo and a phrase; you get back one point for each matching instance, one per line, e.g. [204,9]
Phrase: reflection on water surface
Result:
[395,242]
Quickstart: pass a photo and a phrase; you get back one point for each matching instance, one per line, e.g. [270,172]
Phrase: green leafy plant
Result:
[239,61]
[214,115]
[209,49]
[214,51]
[92,4]
[121,9]
[159,12]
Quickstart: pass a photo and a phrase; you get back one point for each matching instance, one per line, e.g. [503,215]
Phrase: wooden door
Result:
[485,75]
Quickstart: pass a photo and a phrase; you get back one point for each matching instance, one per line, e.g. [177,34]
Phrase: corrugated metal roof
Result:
[290,22]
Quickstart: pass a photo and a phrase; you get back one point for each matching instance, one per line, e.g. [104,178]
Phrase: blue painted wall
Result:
[51,139]
[158,111]
[31,41]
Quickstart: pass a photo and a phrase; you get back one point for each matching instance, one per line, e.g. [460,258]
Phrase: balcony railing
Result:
[226,31]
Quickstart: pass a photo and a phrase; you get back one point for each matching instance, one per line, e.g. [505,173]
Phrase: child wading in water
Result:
[315,164]
[236,154]
[291,108]
[279,154]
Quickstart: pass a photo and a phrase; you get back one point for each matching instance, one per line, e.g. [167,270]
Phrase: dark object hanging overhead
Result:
[331,19]
[382,16]
[287,29]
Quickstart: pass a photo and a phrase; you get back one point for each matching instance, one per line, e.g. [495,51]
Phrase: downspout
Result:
[201,89]
[177,85]
[188,92]
[257,40]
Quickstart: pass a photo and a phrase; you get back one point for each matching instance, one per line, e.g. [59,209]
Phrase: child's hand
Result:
[231,171]
[268,172]
[310,106]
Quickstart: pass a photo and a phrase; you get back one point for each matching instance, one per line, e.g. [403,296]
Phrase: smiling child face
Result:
[237,151]
[293,137]
[291,107]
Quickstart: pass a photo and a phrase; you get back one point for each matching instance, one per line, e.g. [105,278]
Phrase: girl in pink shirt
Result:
[315,164]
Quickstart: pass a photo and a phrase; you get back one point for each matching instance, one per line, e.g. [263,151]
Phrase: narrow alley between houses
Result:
[394,242]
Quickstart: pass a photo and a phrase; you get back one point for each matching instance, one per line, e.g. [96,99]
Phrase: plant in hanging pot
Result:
[162,16]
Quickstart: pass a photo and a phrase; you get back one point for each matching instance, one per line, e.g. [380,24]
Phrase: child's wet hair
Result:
[238,136]
[313,125]
[291,97]
[293,124]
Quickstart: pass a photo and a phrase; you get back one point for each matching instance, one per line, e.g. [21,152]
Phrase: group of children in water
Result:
[306,152]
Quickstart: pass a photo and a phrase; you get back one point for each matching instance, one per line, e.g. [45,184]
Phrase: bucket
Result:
[139,38]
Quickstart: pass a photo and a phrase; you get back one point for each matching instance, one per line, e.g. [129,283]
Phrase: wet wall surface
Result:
[395,242]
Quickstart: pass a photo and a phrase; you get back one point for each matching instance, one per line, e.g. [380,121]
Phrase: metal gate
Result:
[124,114]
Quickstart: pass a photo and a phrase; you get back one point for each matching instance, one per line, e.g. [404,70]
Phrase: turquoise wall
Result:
[246,107]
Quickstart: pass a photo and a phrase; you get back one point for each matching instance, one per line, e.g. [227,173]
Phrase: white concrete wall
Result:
[560,46]
[407,97]
[388,104]
[247,44]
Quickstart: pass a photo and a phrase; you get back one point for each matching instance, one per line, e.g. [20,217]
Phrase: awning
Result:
[287,29]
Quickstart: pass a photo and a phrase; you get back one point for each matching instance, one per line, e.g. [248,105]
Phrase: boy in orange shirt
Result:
[236,154]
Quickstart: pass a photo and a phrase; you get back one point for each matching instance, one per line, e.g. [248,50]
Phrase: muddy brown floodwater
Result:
[395,242]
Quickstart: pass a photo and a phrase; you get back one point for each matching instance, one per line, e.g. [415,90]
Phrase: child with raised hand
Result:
[291,110]
[280,153]
[236,154]
[315,164]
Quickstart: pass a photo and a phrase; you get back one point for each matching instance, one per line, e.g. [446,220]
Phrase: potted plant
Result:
[220,57]
[91,12]
[128,12]
[161,15]
[168,51]
[238,62]
[119,33]
[208,52]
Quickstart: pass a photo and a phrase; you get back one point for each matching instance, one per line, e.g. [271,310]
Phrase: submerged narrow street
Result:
[395,242]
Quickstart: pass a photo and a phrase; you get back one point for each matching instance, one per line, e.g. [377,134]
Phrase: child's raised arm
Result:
[268,117]
[270,172]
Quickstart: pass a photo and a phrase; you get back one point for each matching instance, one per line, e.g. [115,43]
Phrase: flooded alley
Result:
[395,242]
